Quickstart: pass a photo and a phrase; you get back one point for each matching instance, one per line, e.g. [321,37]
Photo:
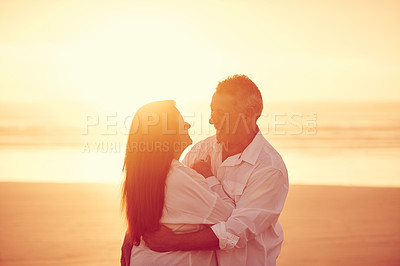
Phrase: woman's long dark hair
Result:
[148,157]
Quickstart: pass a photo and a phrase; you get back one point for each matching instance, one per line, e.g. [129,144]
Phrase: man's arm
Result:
[258,208]
[165,240]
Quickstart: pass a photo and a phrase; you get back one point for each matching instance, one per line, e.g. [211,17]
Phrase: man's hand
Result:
[203,167]
[160,240]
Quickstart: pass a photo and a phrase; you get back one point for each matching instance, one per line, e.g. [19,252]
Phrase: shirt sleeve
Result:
[199,152]
[216,187]
[189,200]
[257,209]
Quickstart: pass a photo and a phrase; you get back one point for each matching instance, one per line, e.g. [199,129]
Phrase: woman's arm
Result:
[126,251]
[203,167]
[189,199]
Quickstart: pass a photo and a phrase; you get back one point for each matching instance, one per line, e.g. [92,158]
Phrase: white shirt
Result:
[189,205]
[257,180]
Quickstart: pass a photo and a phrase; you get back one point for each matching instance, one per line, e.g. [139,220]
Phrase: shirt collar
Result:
[250,154]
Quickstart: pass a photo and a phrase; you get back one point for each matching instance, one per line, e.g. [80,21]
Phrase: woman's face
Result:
[183,133]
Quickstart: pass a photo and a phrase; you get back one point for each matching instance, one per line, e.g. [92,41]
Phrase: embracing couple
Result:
[221,204]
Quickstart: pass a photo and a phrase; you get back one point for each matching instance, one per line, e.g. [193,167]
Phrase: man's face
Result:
[226,118]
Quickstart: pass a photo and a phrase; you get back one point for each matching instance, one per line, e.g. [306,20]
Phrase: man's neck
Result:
[230,148]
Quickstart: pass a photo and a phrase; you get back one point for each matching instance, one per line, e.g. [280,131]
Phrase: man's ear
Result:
[250,113]
[251,117]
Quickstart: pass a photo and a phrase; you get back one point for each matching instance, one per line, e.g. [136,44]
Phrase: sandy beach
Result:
[80,224]
[326,225]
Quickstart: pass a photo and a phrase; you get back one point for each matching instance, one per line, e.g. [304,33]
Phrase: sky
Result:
[119,54]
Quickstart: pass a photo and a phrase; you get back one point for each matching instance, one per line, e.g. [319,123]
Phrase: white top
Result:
[257,180]
[189,205]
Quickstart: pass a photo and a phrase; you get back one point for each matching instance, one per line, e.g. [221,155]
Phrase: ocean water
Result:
[321,143]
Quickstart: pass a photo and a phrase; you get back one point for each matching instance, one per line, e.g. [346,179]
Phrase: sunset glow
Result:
[120,54]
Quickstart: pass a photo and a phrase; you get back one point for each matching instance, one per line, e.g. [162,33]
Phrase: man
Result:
[238,162]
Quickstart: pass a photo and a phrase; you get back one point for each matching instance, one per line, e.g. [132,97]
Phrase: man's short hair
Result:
[243,90]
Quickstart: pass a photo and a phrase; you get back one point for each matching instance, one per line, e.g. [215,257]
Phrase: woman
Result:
[158,189]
